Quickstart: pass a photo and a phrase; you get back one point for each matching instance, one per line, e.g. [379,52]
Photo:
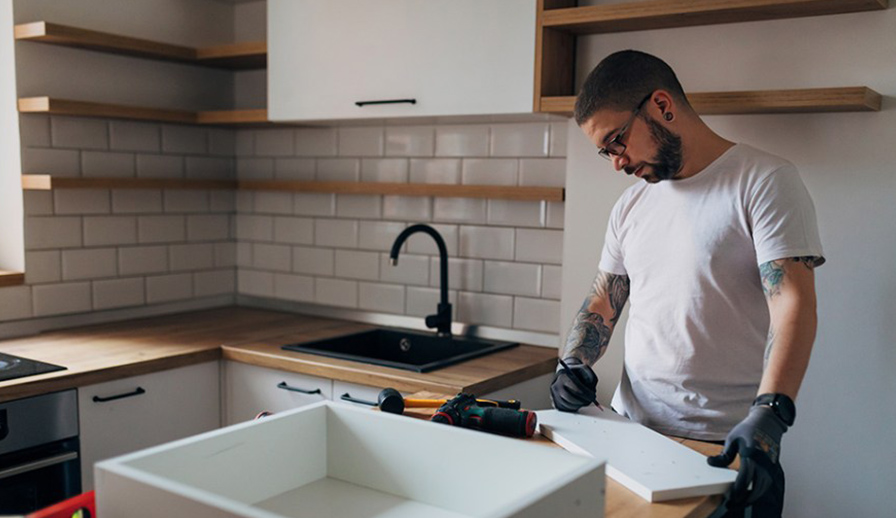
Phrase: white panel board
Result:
[652,466]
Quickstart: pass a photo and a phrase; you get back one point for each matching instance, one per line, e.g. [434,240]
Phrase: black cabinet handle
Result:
[387,101]
[348,397]
[137,392]
[284,386]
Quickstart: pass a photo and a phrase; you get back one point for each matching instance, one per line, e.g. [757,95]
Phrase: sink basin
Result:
[416,351]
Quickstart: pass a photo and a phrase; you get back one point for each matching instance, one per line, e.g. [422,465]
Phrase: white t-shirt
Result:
[698,318]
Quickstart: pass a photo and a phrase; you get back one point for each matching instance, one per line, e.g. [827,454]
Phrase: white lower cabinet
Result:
[130,414]
[357,394]
[249,390]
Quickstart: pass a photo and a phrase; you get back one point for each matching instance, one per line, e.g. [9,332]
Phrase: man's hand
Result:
[758,441]
[574,387]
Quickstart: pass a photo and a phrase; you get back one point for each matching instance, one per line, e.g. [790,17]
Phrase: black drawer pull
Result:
[284,386]
[348,397]
[137,392]
[387,101]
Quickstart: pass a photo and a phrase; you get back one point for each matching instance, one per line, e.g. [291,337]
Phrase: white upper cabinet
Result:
[327,59]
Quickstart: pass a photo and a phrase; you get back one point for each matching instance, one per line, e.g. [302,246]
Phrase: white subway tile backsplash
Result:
[315,142]
[559,132]
[543,172]
[411,269]
[314,204]
[176,200]
[37,203]
[393,170]
[185,140]
[15,302]
[508,278]
[81,201]
[168,288]
[539,246]
[462,141]
[60,299]
[210,168]
[160,166]
[90,263]
[52,232]
[354,264]
[273,202]
[295,231]
[191,257]
[338,169]
[459,210]
[424,301]
[218,282]
[378,235]
[463,274]
[420,243]
[116,293]
[486,243]
[134,136]
[407,208]
[79,133]
[255,168]
[254,228]
[245,201]
[222,142]
[435,170]
[301,169]
[276,142]
[489,171]
[362,206]
[245,143]
[222,201]
[161,229]
[34,130]
[382,298]
[536,315]
[555,214]
[272,257]
[56,162]
[312,261]
[251,282]
[336,233]
[142,260]
[225,255]
[105,164]
[42,267]
[516,213]
[336,292]
[410,141]
[529,139]
[362,141]
[298,288]
[551,282]
[480,308]
[136,201]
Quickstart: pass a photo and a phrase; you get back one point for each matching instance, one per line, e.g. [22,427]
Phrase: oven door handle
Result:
[38,464]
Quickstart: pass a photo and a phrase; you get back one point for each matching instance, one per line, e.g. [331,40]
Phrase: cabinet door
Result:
[249,389]
[356,394]
[130,414]
[452,57]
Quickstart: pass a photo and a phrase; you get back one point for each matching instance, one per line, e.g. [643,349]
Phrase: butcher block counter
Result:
[98,353]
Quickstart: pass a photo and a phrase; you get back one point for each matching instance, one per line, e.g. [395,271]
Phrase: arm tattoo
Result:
[769,344]
[772,273]
[590,333]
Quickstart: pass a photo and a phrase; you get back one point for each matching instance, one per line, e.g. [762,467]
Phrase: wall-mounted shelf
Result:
[11,278]
[51,106]
[810,100]
[560,21]
[238,56]
[42,182]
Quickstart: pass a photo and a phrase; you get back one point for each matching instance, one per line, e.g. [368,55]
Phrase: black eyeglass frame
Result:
[614,147]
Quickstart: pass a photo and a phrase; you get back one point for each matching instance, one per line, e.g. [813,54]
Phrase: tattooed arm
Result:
[593,325]
[789,286]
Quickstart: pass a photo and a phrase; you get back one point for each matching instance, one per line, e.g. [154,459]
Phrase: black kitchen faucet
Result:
[442,319]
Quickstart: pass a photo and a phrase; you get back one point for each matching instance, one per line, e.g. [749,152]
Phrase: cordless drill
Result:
[464,411]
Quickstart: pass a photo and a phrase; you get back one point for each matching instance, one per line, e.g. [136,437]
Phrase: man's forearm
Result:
[593,326]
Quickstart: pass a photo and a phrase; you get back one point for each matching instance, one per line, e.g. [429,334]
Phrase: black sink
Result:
[402,348]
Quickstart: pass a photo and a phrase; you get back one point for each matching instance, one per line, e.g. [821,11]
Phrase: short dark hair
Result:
[622,80]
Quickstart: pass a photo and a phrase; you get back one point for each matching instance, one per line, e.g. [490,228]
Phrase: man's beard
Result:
[667,161]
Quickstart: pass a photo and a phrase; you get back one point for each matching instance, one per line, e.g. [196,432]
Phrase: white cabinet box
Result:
[249,389]
[436,57]
[336,460]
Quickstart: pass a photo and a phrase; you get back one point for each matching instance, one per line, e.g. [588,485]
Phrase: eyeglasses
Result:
[615,147]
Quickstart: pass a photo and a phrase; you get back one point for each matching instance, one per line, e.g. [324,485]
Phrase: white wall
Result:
[12,255]
[839,455]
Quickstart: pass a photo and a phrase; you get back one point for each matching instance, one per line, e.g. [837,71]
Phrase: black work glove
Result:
[574,388]
[758,441]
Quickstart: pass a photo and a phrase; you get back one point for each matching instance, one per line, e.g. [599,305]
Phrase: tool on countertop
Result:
[464,410]
[391,401]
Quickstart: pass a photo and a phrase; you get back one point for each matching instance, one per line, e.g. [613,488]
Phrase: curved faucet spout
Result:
[442,319]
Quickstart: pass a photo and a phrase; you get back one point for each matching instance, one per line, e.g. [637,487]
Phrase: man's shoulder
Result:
[756,161]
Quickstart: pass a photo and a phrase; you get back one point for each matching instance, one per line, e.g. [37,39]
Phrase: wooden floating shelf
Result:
[237,56]
[42,182]
[663,14]
[11,278]
[51,106]
[811,100]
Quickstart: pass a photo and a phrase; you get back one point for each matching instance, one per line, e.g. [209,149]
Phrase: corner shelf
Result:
[558,22]
[42,182]
[238,56]
[11,278]
[52,106]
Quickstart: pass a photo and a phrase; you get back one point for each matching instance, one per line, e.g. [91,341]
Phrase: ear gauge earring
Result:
[668,116]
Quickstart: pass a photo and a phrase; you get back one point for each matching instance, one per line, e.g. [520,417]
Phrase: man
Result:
[716,251]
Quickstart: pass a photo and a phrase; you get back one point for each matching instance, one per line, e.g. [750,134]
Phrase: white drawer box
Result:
[331,459]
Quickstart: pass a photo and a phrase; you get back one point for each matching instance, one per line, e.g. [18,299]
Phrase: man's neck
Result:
[699,150]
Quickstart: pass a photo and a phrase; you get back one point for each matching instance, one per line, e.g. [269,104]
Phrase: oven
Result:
[39,463]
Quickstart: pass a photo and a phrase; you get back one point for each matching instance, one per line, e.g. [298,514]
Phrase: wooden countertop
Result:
[98,353]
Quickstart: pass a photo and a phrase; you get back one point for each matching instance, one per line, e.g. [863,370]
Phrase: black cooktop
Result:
[12,367]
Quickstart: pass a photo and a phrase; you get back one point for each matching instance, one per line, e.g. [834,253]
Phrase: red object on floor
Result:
[67,508]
